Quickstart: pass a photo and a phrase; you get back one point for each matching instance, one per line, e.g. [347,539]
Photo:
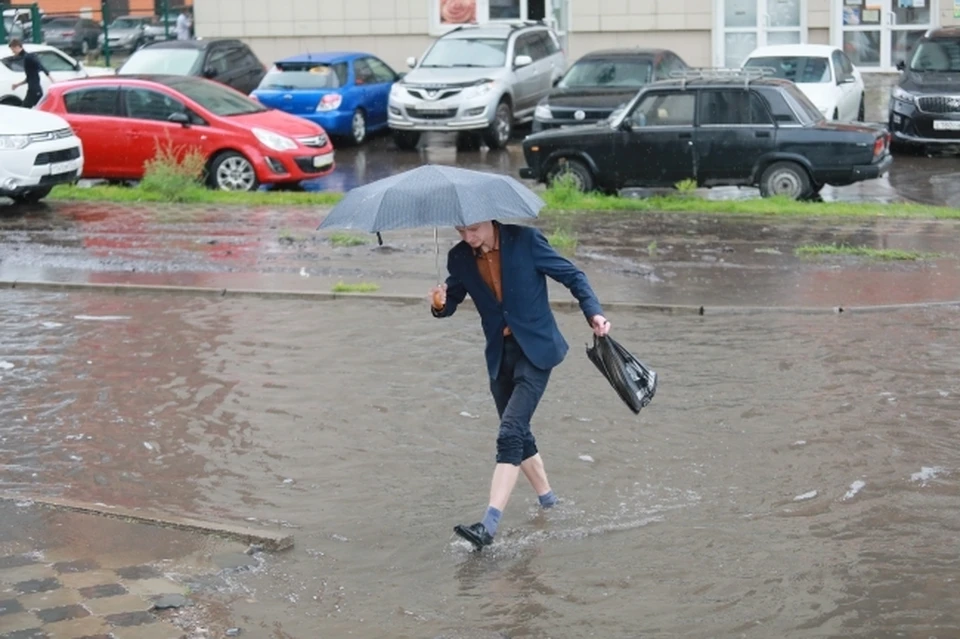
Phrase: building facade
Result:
[875,33]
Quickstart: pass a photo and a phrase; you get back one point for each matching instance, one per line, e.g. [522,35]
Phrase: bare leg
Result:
[535,473]
[504,479]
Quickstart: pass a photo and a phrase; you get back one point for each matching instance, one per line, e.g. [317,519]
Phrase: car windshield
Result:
[800,69]
[463,52]
[310,75]
[217,99]
[161,61]
[807,110]
[936,55]
[125,23]
[607,74]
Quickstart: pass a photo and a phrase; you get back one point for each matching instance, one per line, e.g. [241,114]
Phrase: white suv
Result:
[477,78]
[59,64]
[38,150]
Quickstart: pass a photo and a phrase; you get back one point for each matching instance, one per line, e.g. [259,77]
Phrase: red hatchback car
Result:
[123,121]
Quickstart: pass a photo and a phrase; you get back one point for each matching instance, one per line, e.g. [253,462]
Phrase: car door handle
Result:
[762,134]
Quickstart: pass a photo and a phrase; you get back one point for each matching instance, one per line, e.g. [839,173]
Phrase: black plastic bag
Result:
[635,383]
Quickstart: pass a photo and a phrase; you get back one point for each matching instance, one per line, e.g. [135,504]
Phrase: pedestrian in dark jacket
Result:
[32,67]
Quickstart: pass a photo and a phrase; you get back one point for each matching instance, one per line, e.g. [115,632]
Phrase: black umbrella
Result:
[433,195]
[635,383]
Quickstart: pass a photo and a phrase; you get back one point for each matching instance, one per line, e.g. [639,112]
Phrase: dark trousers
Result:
[33,97]
[517,391]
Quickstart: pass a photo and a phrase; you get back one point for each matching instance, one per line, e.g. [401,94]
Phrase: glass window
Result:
[466,52]
[305,75]
[740,13]
[863,47]
[363,72]
[782,113]
[98,101]
[664,109]
[936,55]
[611,72]
[161,62]
[144,104]
[807,111]
[504,9]
[800,69]
[219,61]
[550,43]
[732,107]
[381,71]
[845,64]
[215,98]
[54,62]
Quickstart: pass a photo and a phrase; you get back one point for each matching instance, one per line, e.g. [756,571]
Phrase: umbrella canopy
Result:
[635,383]
[433,195]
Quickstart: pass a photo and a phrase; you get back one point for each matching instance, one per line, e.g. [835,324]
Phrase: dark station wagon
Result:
[718,128]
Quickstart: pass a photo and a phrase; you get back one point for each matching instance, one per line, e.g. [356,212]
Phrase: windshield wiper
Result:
[436,66]
[285,87]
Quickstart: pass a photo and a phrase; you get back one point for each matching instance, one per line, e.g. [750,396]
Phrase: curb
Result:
[267,540]
[411,300]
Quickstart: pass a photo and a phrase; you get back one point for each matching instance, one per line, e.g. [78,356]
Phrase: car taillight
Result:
[879,146]
[67,34]
[253,97]
[330,102]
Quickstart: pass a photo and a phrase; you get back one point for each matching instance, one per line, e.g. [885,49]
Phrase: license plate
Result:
[62,167]
[946,125]
[321,161]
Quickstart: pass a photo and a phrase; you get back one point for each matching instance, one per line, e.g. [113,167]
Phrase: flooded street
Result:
[796,475]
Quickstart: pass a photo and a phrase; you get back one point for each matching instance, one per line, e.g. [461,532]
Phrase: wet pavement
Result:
[928,180]
[796,475]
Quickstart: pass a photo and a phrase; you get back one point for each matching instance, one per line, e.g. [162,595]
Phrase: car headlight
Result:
[542,112]
[482,87]
[397,90]
[13,142]
[274,141]
[903,96]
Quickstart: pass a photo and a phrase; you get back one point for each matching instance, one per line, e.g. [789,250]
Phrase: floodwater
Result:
[795,476]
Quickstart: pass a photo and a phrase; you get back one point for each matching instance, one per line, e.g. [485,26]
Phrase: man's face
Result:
[477,235]
[16,50]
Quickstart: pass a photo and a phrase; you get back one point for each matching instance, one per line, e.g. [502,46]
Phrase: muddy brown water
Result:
[796,475]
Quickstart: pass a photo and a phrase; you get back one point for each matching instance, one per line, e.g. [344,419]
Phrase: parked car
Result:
[228,61]
[73,35]
[39,151]
[345,93]
[163,28]
[734,129]
[477,78]
[601,81]
[824,73]
[127,34]
[59,64]
[924,109]
[124,120]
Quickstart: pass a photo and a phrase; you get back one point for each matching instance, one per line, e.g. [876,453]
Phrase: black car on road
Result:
[227,61]
[601,81]
[925,104]
[718,128]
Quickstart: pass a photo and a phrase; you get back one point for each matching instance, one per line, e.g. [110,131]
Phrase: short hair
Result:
[15,42]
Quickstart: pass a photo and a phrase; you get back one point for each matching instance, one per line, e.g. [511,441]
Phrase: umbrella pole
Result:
[436,261]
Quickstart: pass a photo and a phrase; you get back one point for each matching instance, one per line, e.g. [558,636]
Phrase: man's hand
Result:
[17,85]
[600,324]
[438,296]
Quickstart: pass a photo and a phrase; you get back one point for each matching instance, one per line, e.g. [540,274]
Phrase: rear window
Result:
[609,73]
[801,69]
[93,101]
[161,61]
[305,75]
[62,24]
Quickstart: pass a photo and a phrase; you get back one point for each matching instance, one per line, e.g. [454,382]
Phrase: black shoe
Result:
[476,534]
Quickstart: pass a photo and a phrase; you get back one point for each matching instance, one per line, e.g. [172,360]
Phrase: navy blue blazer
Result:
[525,259]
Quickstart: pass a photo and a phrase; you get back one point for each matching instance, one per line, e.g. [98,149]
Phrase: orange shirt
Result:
[489,266]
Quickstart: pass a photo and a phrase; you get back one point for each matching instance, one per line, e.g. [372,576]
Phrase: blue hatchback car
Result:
[344,92]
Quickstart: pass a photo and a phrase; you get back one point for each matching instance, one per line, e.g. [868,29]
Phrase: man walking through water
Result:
[503,268]
[31,68]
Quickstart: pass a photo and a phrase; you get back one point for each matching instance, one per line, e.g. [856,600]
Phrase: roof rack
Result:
[720,73]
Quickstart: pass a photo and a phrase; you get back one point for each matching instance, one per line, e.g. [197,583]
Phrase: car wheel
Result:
[406,140]
[358,127]
[787,179]
[862,111]
[498,133]
[33,196]
[575,171]
[231,171]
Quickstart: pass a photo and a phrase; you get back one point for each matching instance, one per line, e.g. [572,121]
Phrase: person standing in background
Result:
[184,24]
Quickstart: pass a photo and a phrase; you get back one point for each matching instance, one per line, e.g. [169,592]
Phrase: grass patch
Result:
[362,287]
[564,241]
[814,250]
[174,174]
[197,195]
[348,239]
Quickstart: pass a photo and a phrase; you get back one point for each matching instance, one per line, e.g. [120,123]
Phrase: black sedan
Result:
[601,81]
[718,130]
[925,104]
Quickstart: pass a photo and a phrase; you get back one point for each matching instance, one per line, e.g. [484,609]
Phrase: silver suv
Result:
[477,78]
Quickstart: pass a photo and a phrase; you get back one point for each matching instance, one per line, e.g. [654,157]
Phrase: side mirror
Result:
[522,61]
[180,118]
[401,76]
[901,66]
[556,81]
[849,79]
[209,72]
[411,62]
